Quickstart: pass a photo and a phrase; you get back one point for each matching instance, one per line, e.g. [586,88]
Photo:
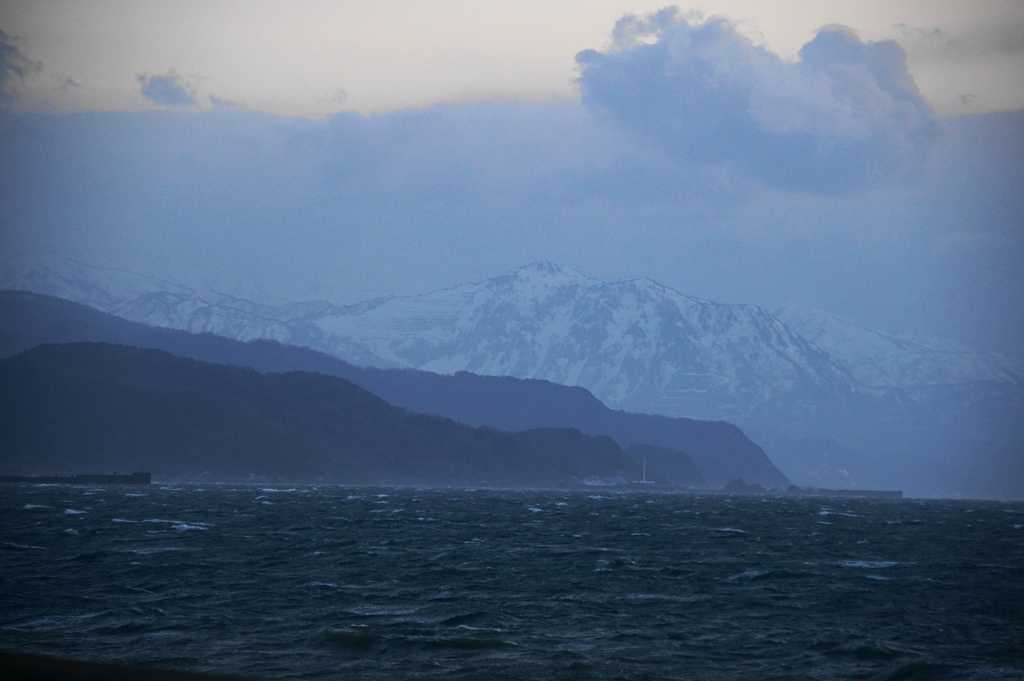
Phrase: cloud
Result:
[219,103]
[14,67]
[168,89]
[350,206]
[338,96]
[908,31]
[844,117]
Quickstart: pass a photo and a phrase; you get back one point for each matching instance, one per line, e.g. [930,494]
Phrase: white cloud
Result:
[845,116]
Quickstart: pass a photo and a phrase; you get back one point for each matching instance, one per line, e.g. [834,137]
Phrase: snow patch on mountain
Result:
[103,288]
[881,360]
[636,344]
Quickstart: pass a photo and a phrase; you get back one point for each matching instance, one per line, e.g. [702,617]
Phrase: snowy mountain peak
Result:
[648,286]
[549,275]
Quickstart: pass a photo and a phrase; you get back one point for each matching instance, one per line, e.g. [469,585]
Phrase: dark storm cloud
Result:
[168,89]
[845,116]
[14,67]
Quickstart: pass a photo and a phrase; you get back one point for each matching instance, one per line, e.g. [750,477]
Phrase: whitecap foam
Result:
[22,547]
[658,597]
[747,575]
[575,646]
[29,507]
[373,610]
[122,520]
[185,527]
[466,627]
[71,511]
[70,531]
[177,522]
[869,564]
[825,511]
[53,622]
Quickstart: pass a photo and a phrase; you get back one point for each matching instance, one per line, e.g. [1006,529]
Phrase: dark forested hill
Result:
[690,452]
[100,407]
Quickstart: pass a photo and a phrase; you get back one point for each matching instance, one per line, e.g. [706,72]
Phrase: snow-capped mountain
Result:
[157,302]
[636,345]
[835,402]
[881,360]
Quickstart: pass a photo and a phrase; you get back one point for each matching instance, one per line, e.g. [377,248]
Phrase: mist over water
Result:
[372,583]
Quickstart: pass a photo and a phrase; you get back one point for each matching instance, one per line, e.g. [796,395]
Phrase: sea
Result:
[326,582]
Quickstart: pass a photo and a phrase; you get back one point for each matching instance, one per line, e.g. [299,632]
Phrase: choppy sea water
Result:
[347,583]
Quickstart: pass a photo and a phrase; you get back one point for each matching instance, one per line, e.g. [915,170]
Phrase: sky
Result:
[864,158]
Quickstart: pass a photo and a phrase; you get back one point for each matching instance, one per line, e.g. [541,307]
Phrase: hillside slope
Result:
[105,407]
[720,451]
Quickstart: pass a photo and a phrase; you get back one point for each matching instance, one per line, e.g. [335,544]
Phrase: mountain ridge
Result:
[925,416]
[117,407]
[722,452]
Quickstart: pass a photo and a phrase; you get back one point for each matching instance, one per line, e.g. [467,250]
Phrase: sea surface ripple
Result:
[355,583]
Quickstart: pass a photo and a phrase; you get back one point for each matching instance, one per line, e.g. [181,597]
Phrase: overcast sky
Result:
[860,157]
